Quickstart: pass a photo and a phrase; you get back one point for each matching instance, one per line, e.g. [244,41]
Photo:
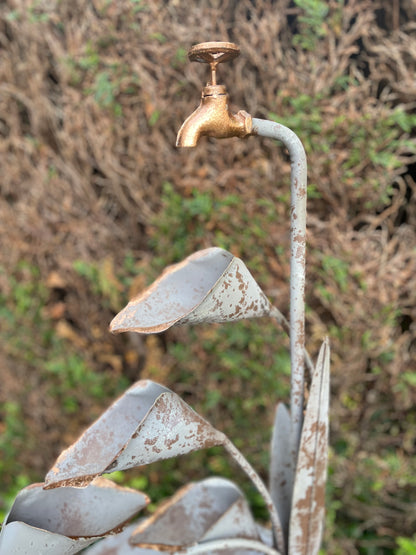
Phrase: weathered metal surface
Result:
[298,194]
[279,540]
[118,545]
[148,423]
[281,467]
[17,538]
[308,504]
[100,444]
[209,286]
[170,428]
[212,509]
[235,296]
[65,520]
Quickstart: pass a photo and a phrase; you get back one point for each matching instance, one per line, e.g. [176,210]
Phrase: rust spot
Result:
[170,442]
[77,482]
[149,441]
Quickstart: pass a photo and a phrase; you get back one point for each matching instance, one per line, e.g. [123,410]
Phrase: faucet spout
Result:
[213,118]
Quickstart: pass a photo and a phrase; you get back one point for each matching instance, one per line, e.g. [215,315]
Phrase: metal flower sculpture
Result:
[146,424]
[150,422]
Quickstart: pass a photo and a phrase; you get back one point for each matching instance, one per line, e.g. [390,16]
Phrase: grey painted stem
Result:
[265,128]
[284,324]
[258,482]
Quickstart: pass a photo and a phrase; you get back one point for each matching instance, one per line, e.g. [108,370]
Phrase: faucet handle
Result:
[213,53]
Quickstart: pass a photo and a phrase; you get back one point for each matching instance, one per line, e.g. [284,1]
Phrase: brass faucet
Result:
[213,117]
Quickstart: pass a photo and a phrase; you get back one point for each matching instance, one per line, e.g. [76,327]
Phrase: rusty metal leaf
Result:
[118,545]
[281,467]
[211,285]
[65,520]
[171,428]
[308,504]
[17,538]
[100,444]
[211,509]
[146,424]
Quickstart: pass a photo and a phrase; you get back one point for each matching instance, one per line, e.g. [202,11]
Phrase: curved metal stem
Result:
[273,130]
[284,324]
[258,482]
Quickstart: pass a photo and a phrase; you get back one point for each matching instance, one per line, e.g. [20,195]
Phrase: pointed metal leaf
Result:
[281,467]
[146,424]
[209,286]
[308,504]
[170,428]
[237,521]
[18,538]
[212,509]
[118,545]
[66,520]
[100,444]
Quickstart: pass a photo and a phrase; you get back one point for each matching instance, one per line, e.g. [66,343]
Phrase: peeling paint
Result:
[308,505]
[208,510]
[98,447]
[65,520]
[148,423]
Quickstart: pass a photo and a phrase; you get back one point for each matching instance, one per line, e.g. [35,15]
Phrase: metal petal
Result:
[118,545]
[208,510]
[66,520]
[170,428]
[148,423]
[281,467]
[18,538]
[211,285]
[100,444]
[237,521]
[308,505]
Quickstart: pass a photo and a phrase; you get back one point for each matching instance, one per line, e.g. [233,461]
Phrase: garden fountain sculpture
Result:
[150,422]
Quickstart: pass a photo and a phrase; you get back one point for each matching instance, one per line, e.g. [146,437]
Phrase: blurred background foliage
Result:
[95,201]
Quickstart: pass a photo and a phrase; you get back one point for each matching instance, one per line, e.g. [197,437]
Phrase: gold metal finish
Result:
[212,117]
[213,53]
